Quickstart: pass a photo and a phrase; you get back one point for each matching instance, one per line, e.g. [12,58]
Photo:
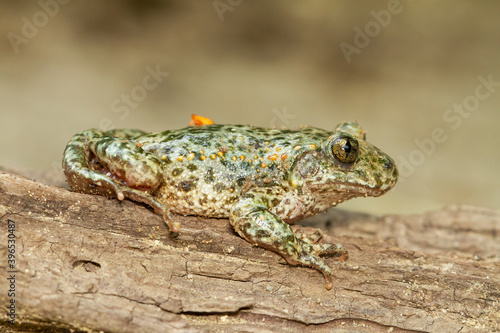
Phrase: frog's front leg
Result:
[110,164]
[252,220]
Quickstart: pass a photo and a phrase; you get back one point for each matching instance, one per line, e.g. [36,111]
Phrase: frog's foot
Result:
[329,250]
[159,208]
[252,221]
[312,239]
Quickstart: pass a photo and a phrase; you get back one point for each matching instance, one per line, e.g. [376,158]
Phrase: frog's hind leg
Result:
[253,221]
[109,164]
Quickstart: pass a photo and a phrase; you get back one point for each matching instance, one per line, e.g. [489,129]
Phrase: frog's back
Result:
[206,168]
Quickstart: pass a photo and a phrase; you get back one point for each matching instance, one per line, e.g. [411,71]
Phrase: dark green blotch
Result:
[219,187]
[265,201]
[192,167]
[231,200]
[203,200]
[262,234]
[187,185]
[177,171]
[248,196]
[272,166]
[240,181]
[167,150]
[201,140]
[289,239]
[230,166]
[209,175]
[245,165]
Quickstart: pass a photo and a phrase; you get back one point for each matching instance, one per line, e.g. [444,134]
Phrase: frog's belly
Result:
[206,202]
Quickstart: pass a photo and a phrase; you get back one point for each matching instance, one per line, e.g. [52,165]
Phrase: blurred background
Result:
[421,78]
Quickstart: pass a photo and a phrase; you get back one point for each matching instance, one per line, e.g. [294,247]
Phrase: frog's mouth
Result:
[363,190]
[336,192]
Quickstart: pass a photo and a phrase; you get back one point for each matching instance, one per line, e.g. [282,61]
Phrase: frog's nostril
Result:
[388,164]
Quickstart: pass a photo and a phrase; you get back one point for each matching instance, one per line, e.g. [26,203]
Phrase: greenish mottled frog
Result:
[261,179]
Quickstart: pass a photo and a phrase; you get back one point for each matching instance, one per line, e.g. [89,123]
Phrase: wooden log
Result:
[88,263]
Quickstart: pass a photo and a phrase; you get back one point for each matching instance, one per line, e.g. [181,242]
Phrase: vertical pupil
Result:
[347,148]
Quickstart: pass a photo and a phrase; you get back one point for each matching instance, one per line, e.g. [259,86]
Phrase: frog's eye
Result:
[345,149]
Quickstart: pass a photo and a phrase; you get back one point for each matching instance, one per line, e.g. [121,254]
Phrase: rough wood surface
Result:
[89,263]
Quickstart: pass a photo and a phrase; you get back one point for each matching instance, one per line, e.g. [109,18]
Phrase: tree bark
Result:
[88,263]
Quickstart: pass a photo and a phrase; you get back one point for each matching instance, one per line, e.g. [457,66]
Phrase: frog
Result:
[261,179]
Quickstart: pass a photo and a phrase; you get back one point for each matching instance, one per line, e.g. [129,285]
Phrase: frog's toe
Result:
[117,191]
[312,260]
[159,208]
[329,282]
[329,250]
[308,235]
[174,226]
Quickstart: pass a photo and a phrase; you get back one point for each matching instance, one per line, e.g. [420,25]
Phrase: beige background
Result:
[254,63]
